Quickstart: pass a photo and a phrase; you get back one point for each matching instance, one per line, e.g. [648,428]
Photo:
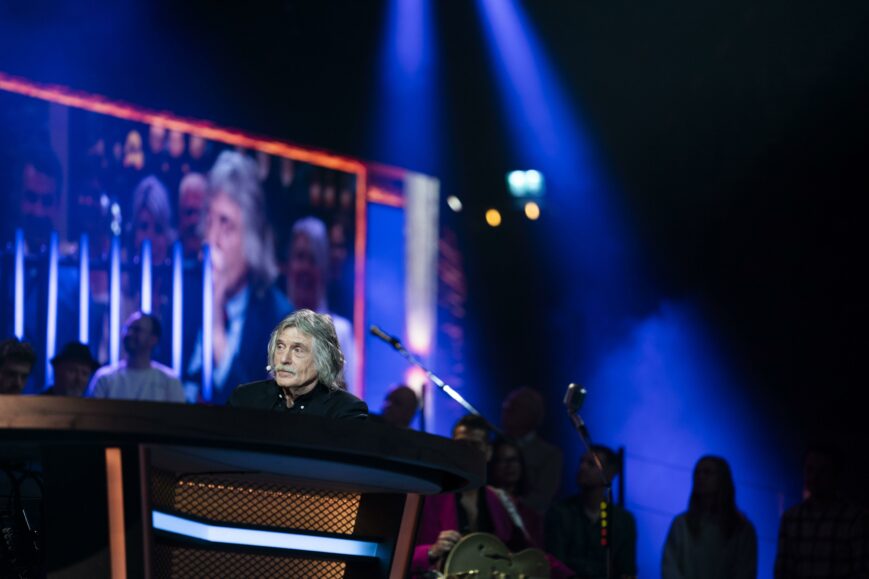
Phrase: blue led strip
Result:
[84,291]
[177,304]
[146,277]
[255,538]
[51,322]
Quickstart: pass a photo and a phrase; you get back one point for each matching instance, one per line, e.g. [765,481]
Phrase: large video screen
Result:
[219,236]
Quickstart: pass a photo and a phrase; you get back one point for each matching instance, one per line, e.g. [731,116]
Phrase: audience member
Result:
[823,536]
[246,304]
[138,377]
[73,368]
[306,365]
[521,416]
[152,219]
[578,533]
[399,406]
[712,539]
[40,186]
[191,200]
[17,360]
[306,269]
[447,517]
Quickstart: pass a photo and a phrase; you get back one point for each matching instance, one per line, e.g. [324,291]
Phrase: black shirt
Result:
[321,401]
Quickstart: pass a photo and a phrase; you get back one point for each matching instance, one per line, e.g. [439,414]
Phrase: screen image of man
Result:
[138,377]
[246,303]
[307,366]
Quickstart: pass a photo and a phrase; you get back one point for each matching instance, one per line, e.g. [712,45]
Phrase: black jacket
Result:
[321,401]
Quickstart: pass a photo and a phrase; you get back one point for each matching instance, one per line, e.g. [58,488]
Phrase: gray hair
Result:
[152,195]
[235,176]
[328,358]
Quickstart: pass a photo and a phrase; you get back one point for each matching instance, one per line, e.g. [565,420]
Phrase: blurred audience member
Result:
[40,186]
[446,518]
[246,303]
[521,416]
[712,540]
[191,201]
[399,406]
[823,536]
[17,360]
[306,269]
[576,527]
[73,369]
[138,377]
[152,219]
[506,468]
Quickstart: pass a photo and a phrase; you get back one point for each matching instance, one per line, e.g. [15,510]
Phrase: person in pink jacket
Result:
[446,518]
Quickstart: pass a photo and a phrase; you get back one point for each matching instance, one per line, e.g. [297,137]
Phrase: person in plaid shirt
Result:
[823,536]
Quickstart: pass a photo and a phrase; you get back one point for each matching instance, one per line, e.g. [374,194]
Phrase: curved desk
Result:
[144,489]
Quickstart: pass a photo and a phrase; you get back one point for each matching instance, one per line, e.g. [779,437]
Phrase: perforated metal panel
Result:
[235,499]
[186,562]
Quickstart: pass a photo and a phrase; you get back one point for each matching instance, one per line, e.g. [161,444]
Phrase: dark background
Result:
[736,133]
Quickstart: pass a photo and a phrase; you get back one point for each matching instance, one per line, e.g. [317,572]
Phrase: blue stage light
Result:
[256,538]
[83,289]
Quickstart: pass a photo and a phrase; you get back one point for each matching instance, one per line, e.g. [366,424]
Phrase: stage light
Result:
[532,211]
[261,538]
[517,183]
[455,203]
[177,305]
[146,277]
[115,300]
[493,217]
[525,183]
[84,291]
[51,326]
[534,182]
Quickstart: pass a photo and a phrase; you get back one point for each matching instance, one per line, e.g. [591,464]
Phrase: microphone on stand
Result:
[391,340]
[574,397]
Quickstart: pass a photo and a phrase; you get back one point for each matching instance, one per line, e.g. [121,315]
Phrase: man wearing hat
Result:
[73,369]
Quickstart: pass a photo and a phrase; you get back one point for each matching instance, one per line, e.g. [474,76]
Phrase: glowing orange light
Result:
[493,217]
[532,211]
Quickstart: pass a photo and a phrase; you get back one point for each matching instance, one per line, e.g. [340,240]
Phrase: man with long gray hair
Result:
[307,372]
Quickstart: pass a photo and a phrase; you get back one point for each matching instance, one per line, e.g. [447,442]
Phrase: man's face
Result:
[293,365]
[474,437]
[13,376]
[589,475]
[306,276]
[38,203]
[71,377]
[156,138]
[506,466]
[138,335]
[189,216]
[399,407]
[519,414]
[225,232]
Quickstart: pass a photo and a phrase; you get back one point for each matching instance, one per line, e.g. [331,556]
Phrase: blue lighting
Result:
[115,301]
[51,321]
[255,538]
[177,305]
[407,125]
[83,289]
[146,276]
[207,323]
[19,284]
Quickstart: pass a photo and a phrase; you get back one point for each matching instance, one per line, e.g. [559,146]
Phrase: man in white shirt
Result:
[138,377]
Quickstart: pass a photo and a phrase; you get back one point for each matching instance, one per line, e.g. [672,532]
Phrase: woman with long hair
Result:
[713,539]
